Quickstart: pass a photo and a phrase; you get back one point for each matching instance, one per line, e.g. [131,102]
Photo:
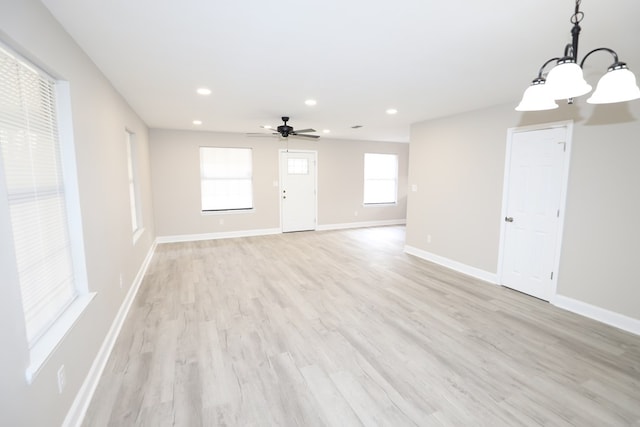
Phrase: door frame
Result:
[568,125]
[281,171]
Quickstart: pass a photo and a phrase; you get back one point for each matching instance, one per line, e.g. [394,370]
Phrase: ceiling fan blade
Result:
[304,130]
[304,136]
[261,134]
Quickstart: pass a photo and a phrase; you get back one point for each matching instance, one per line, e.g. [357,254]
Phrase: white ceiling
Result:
[357,58]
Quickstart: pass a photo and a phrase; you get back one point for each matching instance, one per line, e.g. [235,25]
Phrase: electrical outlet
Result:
[121,281]
[62,379]
[428,238]
[355,213]
[221,221]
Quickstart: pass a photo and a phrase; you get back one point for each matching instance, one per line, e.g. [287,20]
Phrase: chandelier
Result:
[566,80]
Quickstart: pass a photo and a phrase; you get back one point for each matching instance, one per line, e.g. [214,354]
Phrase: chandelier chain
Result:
[578,15]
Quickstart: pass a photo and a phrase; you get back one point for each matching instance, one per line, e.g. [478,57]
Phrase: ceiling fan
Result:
[286,131]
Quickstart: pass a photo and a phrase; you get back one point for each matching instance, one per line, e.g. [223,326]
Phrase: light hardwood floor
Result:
[342,328]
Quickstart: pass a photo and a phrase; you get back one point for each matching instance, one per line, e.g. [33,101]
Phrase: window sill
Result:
[51,339]
[228,212]
[373,205]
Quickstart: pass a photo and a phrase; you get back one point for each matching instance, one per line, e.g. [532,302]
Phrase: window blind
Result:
[380,178]
[32,169]
[226,178]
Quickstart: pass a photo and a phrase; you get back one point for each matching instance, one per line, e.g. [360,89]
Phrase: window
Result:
[35,190]
[297,166]
[380,178]
[47,261]
[226,175]
[134,191]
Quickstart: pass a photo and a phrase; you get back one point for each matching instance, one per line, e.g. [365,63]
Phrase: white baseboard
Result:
[347,225]
[453,265]
[611,318]
[268,231]
[608,317]
[78,409]
[214,236]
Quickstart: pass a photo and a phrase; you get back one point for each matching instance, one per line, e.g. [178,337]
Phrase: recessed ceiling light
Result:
[204,91]
[267,127]
[392,111]
[326,131]
[310,102]
[197,122]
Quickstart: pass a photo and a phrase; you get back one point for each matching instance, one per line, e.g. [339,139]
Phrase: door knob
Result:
[508,219]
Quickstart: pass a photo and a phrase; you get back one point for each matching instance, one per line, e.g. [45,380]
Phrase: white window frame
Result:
[137,225]
[45,340]
[215,171]
[371,177]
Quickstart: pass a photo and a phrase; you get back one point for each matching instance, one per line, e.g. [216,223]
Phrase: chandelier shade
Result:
[566,80]
[537,98]
[618,85]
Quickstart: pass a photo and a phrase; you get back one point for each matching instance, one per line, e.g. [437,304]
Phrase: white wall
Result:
[176,182]
[458,164]
[100,117]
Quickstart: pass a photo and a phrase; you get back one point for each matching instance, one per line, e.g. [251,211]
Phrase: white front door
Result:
[534,188]
[298,190]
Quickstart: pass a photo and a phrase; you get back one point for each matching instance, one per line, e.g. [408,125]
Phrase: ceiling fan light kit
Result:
[566,79]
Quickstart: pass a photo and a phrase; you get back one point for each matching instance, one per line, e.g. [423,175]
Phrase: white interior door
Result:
[298,190]
[534,191]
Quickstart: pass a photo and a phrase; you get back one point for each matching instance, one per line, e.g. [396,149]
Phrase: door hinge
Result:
[558,213]
[564,146]
[551,275]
